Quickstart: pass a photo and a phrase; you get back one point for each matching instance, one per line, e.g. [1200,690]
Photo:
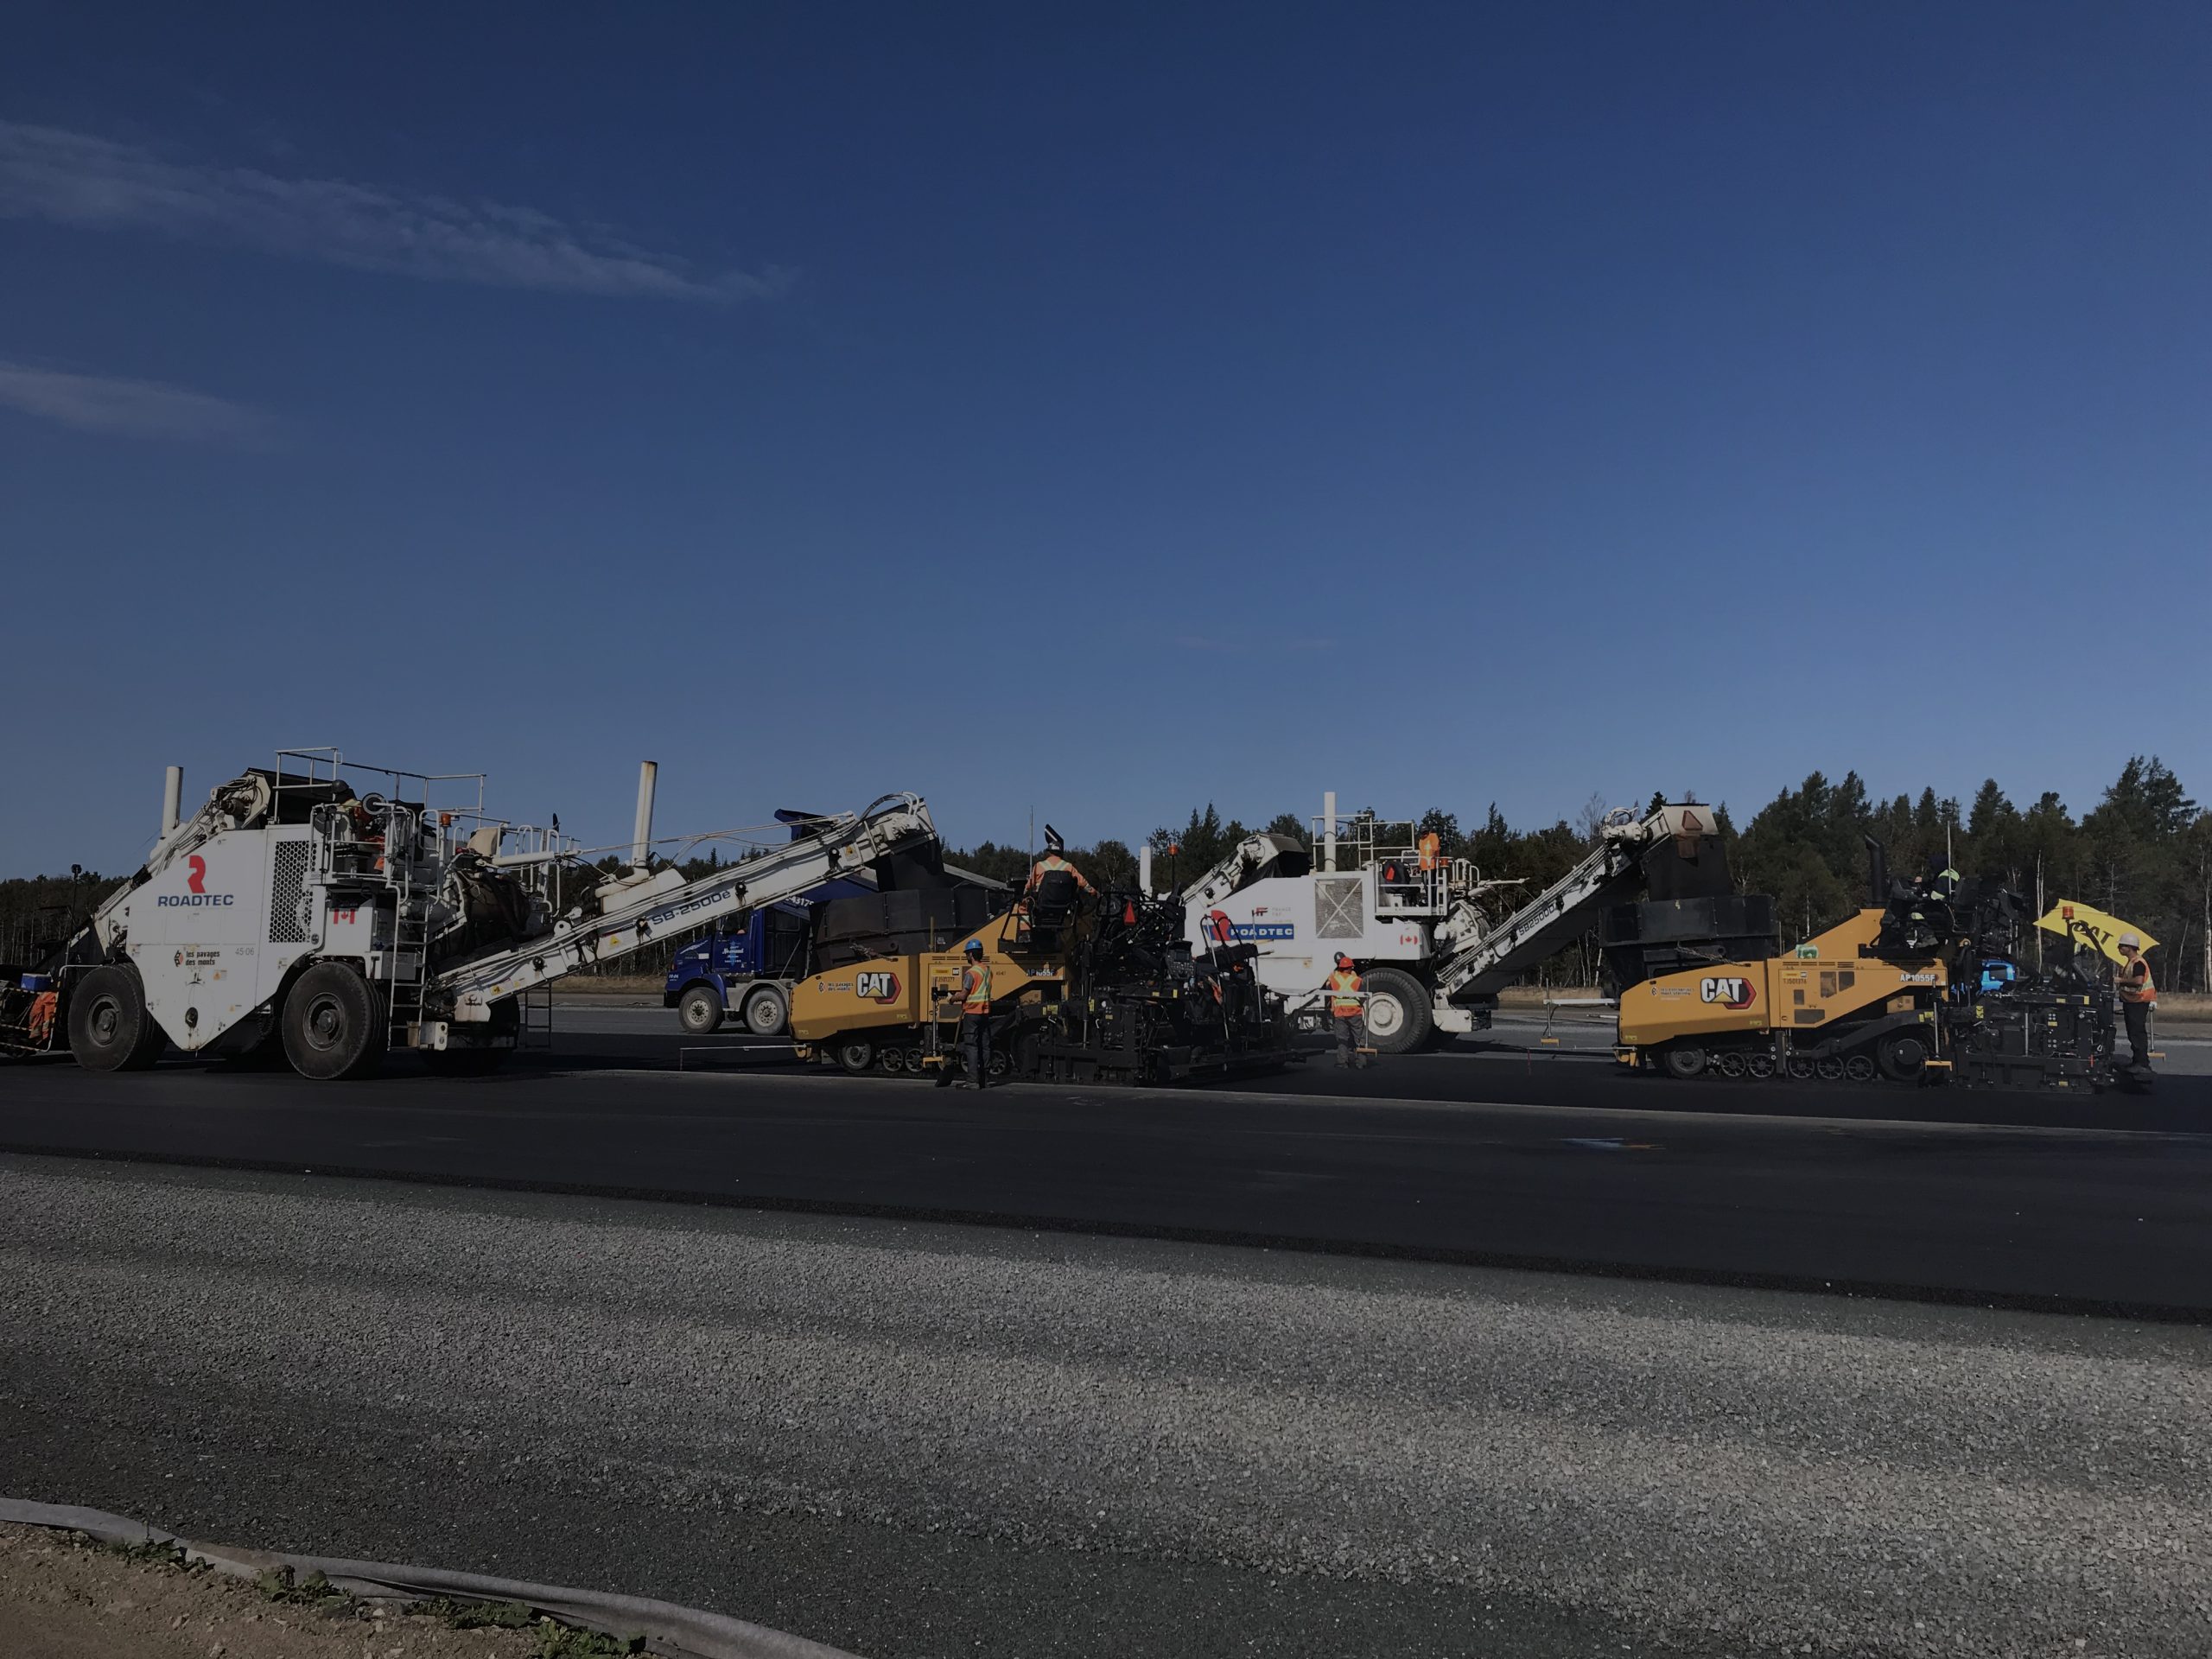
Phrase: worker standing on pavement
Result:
[1344,1006]
[1055,859]
[975,1016]
[2131,984]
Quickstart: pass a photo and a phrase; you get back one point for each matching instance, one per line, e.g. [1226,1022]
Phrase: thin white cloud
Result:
[71,178]
[138,409]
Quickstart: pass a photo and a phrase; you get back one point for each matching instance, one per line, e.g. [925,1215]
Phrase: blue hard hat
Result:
[975,947]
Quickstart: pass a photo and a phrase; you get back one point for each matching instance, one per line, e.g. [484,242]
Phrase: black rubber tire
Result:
[767,1014]
[853,1054]
[1684,1063]
[1406,1029]
[1903,1057]
[699,1011]
[110,1028]
[334,1025]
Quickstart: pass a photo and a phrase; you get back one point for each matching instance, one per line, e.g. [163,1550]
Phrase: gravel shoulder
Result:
[905,1439]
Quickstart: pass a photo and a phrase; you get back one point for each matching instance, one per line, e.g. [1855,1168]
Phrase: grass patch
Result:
[477,1615]
[150,1553]
[281,1585]
[555,1639]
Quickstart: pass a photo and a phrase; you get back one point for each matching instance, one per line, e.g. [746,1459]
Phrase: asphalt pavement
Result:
[913,1440]
[2040,1200]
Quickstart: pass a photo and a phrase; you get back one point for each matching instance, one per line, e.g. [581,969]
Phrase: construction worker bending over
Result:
[1344,1006]
[1055,859]
[2131,984]
[975,1016]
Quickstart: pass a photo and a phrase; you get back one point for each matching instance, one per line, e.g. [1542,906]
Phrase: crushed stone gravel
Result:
[906,1439]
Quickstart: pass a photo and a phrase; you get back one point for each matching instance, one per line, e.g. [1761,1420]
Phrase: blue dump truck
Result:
[744,969]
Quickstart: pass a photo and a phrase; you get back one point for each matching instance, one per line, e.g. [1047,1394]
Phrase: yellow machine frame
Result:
[916,997]
[1823,981]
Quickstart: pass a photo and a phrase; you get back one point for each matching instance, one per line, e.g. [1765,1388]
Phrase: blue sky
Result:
[1105,410]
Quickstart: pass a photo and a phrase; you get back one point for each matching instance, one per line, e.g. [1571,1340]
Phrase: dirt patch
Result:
[581,987]
[1535,996]
[62,1597]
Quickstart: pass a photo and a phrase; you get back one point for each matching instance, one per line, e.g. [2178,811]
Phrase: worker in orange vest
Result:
[975,1019]
[1432,853]
[1055,859]
[2131,984]
[1347,1011]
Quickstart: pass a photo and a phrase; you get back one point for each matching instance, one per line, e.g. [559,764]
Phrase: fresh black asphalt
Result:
[2058,1201]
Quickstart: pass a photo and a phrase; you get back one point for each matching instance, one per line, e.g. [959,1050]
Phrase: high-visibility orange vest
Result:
[1431,850]
[2131,982]
[976,988]
[1345,980]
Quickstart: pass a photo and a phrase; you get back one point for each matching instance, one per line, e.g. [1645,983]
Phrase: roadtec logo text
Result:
[196,880]
[1728,992]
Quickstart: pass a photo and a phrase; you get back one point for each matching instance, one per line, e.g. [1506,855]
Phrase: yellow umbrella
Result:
[2087,924]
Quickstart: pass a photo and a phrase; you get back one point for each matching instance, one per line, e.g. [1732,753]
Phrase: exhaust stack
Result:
[1144,869]
[172,800]
[1329,829]
[641,837]
[1877,872]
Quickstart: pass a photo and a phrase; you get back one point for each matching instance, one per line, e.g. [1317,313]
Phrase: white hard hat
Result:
[2127,939]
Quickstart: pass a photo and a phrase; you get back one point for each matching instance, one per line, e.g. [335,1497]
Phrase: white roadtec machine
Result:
[1425,931]
[296,908]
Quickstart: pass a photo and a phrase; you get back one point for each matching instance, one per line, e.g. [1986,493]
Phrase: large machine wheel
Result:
[699,1010]
[334,1028]
[853,1054]
[1399,1015]
[109,1026]
[1902,1056]
[1684,1063]
[766,1013]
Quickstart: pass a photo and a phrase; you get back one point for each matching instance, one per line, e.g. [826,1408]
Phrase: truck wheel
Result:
[1902,1056]
[334,1024]
[855,1054]
[1685,1063]
[766,1013]
[1399,1016]
[699,1010]
[110,1028]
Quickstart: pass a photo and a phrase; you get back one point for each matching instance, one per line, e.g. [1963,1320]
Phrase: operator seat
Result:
[1052,906]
